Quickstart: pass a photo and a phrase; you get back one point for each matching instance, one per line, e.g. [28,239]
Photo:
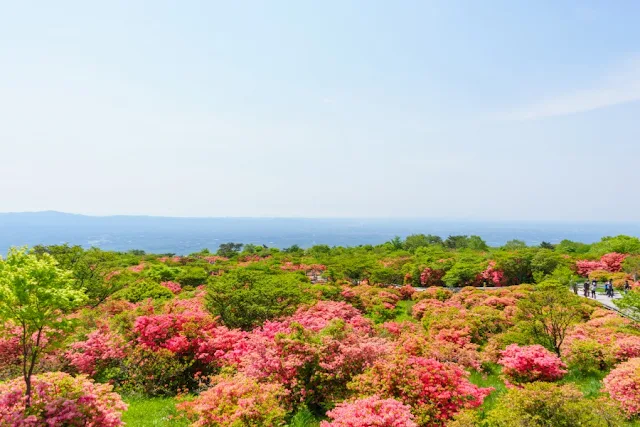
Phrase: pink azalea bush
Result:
[172,286]
[523,364]
[623,385]
[59,399]
[370,412]
[611,262]
[236,401]
[100,350]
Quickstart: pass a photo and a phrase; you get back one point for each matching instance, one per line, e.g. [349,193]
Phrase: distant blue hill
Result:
[187,235]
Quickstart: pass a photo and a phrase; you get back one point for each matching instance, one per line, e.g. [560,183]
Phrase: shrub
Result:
[192,276]
[60,399]
[546,404]
[623,384]
[101,350]
[172,286]
[142,290]
[236,401]
[588,355]
[245,298]
[370,412]
[530,363]
[436,391]
[156,373]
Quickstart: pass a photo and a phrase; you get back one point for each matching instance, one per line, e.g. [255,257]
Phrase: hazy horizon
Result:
[502,111]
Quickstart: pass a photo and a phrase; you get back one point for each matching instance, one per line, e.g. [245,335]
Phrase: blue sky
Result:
[440,109]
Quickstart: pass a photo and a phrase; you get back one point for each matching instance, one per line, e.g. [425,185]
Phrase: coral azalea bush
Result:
[623,384]
[371,412]
[530,363]
[236,401]
[60,400]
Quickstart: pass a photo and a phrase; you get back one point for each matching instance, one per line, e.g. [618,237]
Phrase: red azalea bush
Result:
[530,363]
[436,391]
[236,401]
[407,291]
[59,399]
[370,412]
[623,384]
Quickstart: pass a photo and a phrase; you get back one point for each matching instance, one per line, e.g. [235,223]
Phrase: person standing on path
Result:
[574,286]
[586,289]
[627,286]
[594,287]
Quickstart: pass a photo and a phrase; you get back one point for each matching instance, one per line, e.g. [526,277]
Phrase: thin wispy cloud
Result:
[620,85]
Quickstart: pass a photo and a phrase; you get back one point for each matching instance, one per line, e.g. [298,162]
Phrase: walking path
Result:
[605,300]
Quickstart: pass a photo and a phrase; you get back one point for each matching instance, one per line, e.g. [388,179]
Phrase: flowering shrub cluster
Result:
[371,412]
[236,400]
[623,384]
[530,363]
[99,351]
[436,391]
[611,262]
[172,286]
[59,399]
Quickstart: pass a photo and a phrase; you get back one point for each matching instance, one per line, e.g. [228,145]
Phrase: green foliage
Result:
[34,294]
[457,242]
[143,289]
[244,298]
[550,405]
[477,244]
[161,273]
[304,418]
[550,310]
[155,373]
[544,262]
[572,248]
[631,266]
[229,250]
[88,268]
[415,241]
[516,265]
[192,276]
[514,244]
[465,271]
[630,303]
[621,244]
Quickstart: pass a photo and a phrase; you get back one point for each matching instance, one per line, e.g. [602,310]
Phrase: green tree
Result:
[571,247]
[396,243]
[88,268]
[621,244]
[456,242]
[631,266]
[229,250]
[550,310]
[415,241]
[192,276]
[514,244]
[35,295]
[547,245]
[544,262]
[245,298]
[477,244]
[516,265]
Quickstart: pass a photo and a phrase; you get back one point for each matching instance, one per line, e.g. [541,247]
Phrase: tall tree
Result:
[550,310]
[35,295]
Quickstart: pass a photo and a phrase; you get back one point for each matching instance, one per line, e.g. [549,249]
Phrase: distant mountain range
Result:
[187,235]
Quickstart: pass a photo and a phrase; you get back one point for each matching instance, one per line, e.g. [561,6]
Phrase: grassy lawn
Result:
[151,412]
[404,311]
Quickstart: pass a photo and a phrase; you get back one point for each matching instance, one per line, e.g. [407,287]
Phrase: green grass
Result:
[304,418]
[588,383]
[151,412]
[489,379]
[404,311]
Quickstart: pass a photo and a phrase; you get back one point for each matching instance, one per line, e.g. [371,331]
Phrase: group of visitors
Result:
[589,289]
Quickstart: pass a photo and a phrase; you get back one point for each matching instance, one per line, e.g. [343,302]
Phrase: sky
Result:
[500,110]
